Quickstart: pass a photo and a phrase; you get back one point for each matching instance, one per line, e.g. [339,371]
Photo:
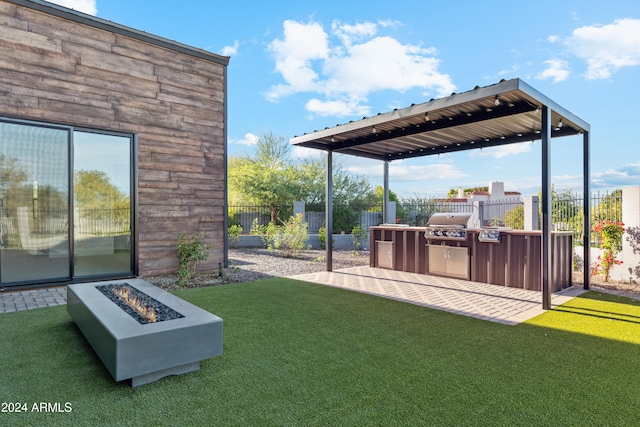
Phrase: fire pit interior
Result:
[137,304]
[142,333]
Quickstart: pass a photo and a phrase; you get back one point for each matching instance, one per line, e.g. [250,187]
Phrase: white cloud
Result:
[607,48]
[389,23]
[343,68]
[616,178]
[383,63]
[339,108]
[557,70]
[230,50]
[502,150]
[302,44]
[306,153]
[85,6]
[249,139]
[400,172]
[437,171]
[350,33]
[509,71]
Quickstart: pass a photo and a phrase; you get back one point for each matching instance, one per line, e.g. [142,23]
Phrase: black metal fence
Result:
[417,212]
[567,213]
[345,216]
[246,215]
[103,222]
[87,221]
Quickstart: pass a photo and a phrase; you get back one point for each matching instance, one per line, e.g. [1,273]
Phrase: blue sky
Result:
[302,66]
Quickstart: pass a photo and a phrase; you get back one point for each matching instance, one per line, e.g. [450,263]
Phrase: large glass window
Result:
[63,192]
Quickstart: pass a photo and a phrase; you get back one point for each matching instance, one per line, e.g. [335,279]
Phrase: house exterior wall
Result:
[65,70]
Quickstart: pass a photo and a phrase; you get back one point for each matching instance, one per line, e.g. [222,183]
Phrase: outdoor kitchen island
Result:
[509,258]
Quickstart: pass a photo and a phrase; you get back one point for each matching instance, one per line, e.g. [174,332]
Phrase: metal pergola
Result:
[508,112]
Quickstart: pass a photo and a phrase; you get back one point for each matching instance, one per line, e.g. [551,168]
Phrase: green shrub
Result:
[291,237]
[257,228]
[266,232]
[322,237]
[359,236]
[191,250]
[234,233]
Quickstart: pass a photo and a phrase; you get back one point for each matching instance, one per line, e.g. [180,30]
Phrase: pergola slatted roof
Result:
[507,112]
[464,121]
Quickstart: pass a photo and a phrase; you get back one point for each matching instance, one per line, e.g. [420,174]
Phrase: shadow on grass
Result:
[618,308]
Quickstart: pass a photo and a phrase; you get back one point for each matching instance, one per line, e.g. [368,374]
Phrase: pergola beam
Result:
[442,123]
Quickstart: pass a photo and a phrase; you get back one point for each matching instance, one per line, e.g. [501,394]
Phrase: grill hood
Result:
[460,220]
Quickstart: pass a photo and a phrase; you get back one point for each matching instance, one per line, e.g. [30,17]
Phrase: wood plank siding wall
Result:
[62,71]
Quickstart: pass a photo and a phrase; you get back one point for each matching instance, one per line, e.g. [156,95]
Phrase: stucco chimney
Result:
[496,190]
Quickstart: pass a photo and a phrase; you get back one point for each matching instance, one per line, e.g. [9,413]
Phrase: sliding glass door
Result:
[34,194]
[65,204]
[102,203]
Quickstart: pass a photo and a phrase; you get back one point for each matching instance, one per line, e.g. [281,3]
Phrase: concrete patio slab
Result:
[500,304]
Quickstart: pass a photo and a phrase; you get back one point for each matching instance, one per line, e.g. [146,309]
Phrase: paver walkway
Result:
[489,302]
[494,303]
[32,298]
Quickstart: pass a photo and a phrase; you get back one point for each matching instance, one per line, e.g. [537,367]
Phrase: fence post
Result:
[531,221]
[391,212]
[479,207]
[298,208]
[631,219]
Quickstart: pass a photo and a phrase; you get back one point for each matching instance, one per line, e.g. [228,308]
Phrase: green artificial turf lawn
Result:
[302,354]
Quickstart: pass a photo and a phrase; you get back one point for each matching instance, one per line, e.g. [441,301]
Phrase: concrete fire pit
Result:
[143,353]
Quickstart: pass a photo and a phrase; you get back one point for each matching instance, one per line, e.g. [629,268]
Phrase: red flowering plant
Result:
[610,234]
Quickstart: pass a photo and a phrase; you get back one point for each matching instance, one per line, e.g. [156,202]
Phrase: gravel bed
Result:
[615,287]
[249,264]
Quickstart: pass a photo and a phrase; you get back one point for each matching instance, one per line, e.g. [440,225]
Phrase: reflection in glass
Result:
[102,204]
[34,203]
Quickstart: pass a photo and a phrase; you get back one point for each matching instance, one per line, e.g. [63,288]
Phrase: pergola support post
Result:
[546,275]
[586,211]
[328,213]
[385,192]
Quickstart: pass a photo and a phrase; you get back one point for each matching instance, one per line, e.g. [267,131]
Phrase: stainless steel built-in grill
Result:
[447,226]
[443,259]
